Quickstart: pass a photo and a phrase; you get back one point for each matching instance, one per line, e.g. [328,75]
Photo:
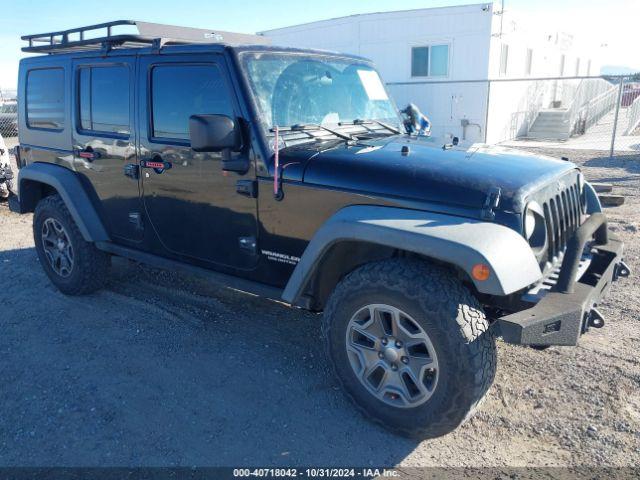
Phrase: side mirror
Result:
[214,133]
[219,133]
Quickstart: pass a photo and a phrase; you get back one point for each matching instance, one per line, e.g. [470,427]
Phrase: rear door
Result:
[193,205]
[104,139]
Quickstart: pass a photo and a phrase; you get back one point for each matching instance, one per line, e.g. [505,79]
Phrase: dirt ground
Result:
[162,370]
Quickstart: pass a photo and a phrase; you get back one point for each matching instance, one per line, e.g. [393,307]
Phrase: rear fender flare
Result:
[70,189]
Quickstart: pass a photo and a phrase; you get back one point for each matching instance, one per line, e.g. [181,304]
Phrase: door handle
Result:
[88,153]
[156,164]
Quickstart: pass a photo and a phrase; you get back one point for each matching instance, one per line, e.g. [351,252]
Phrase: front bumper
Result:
[566,312]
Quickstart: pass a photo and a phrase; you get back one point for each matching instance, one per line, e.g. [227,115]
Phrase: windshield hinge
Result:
[491,202]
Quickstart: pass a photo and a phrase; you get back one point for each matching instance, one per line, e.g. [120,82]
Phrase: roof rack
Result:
[102,36]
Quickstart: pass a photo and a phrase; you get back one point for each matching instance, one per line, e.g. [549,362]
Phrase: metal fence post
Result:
[615,118]
[486,113]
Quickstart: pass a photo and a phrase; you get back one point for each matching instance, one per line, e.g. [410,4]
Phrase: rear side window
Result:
[45,98]
[179,91]
[104,99]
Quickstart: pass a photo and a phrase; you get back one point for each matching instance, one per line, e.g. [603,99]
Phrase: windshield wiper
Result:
[308,126]
[359,121]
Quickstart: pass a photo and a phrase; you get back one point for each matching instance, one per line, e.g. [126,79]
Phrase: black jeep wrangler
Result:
[288,173]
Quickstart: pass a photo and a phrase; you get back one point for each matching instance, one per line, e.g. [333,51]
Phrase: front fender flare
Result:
[454,240]
[72,192]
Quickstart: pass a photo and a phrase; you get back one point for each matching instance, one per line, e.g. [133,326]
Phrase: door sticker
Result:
[281,257]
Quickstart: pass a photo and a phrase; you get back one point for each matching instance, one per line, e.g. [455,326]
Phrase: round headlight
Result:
[530,219]
[535,227]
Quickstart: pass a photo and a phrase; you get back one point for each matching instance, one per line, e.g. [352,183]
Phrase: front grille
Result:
[563,214]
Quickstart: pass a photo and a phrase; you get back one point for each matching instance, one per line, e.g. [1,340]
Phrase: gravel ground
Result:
[161,369]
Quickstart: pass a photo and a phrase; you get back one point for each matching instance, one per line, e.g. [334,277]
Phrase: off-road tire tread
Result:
[476,346]
[92,264]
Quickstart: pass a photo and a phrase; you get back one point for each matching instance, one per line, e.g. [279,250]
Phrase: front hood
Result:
[429,173]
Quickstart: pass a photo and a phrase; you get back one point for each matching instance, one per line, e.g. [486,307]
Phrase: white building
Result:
[441,59]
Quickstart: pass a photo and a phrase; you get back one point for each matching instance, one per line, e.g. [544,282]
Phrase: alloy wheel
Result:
[392,355]
[57,247]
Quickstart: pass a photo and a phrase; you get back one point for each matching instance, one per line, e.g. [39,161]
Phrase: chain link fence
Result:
[565,113]
[9,117]
[582,113]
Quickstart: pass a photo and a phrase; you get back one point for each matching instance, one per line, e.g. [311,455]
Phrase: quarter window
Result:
[179,91]
[104,99]
[431,61]
[45,98]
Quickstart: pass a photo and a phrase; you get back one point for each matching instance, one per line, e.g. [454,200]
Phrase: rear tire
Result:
[439,324]
[74,266]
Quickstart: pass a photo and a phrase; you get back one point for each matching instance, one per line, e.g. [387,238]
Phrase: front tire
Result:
[74,266]
[410,346]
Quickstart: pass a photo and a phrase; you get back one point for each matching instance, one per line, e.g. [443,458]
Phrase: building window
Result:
[504,59]
[420,62]
[45,99]
[432,61]
[179,91]
[528,66]
[104,99]
[562,60]
[577,67]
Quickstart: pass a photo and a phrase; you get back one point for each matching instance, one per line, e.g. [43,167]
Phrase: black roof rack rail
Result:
[148,34]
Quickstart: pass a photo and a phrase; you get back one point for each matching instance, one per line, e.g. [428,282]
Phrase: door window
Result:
[179,91]
[104,99]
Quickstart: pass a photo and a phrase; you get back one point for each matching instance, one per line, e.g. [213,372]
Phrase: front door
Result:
[104,140]
[192,205]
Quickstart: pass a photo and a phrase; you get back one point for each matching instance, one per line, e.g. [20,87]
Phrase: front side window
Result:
[432,61]
[179,91]
[45,98]
[294,90]
[104,99]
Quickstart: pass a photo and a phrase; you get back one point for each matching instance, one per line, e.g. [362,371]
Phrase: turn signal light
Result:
[480,272]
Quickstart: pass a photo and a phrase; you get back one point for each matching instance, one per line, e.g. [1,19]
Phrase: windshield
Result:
[291,89]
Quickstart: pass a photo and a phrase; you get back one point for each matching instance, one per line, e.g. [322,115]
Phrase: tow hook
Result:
[595,318]
[622,271]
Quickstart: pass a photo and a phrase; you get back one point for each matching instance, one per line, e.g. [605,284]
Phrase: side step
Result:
[221,279]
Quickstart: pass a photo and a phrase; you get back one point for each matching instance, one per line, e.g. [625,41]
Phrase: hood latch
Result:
[491,202]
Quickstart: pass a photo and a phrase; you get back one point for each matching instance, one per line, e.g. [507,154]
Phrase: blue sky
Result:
[612,22]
